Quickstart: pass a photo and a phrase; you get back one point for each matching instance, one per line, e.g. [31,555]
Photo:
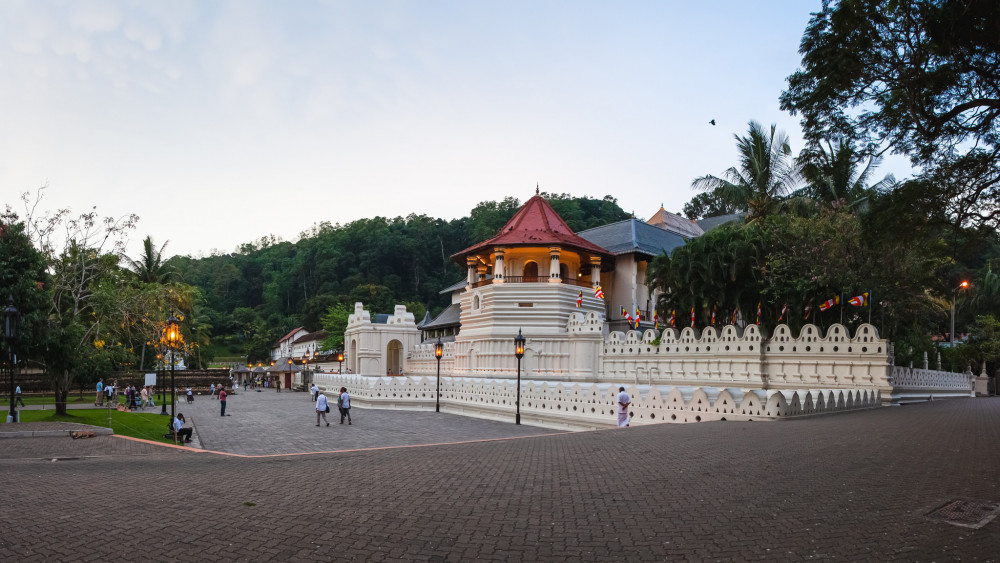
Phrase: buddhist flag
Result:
[627,316]
[736,311]
[598,292]
[859,300]
[638,317]
[830,303]
[784,308]
[809,309]
[656,319]
[692,317]
[579,299]
[673,318]
[713,315]
[758,313]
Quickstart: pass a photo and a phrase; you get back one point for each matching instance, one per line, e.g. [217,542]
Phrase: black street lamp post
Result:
[340,361]
[954,297]
[10,321]
[173,338]
[161,375]
[438,349]
[519,352]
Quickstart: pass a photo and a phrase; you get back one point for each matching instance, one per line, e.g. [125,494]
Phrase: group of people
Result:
[323,405]
[134,397]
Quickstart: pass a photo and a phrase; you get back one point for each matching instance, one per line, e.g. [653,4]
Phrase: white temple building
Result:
[538,277]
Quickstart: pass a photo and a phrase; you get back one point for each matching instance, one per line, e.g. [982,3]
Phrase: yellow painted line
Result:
[484,440]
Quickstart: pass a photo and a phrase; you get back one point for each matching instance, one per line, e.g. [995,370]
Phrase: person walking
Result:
[345,405]
[17,396]
[145,396]
[100,393]
[322,407]
[212,391]
[222,399]
[623,402]
[315,392]
[190,395]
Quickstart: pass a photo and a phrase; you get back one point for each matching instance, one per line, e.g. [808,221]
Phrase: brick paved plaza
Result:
[852,486]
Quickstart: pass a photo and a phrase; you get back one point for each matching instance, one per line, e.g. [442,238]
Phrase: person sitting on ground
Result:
[179,430]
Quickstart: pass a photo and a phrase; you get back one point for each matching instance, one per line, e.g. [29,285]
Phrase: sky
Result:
[219,123]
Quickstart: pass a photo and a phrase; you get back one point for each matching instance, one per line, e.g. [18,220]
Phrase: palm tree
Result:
[149,268]
[836,177]
[765,175]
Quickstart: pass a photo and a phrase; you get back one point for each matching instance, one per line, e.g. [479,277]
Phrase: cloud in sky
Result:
[221,122]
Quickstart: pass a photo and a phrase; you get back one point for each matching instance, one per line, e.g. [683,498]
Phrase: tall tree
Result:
[765,175]
[918,77]
[150,267]
[839,175]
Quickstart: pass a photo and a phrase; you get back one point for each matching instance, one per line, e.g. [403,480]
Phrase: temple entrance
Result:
[393,357]
[530,271]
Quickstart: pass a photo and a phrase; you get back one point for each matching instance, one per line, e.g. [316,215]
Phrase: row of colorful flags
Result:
[862,300]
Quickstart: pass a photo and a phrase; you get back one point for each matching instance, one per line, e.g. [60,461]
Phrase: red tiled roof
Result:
[536,224]
[289,335]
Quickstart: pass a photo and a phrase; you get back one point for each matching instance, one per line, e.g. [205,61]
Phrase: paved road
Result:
[852,486]
[269,423]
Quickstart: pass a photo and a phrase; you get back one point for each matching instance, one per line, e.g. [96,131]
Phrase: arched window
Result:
[475,303]
[530,271]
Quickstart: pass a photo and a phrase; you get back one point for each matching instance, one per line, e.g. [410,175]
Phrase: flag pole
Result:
[870,306]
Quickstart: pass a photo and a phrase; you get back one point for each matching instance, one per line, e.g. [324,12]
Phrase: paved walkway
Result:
[854,486]
[269,423]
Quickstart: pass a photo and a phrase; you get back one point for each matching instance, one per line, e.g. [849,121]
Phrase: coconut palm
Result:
[149,268]
[836,177]
[765,175]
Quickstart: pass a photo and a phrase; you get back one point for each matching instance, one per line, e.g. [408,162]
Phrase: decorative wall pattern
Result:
[592,405]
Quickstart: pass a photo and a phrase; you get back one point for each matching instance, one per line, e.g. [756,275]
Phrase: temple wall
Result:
[571,380]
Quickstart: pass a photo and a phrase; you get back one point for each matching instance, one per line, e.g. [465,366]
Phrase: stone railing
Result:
[590,405]
[914,384]
[734,357]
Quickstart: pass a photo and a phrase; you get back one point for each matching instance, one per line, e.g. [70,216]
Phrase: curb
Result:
[97,430]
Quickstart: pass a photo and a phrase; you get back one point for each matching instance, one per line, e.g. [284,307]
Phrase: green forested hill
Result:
[270,287]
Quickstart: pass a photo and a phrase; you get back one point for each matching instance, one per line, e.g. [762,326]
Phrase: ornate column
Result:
[470,264]
[595,270]
[498,270]
[554,275]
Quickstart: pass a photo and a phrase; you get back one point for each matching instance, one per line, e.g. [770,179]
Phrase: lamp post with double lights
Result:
[10,335]
[519,352]
[172,337]
[954,297]
[438,350]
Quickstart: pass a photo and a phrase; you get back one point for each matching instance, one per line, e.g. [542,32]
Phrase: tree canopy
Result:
[917,77]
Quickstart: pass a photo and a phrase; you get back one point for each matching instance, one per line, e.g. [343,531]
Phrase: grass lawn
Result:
[147,426]
[50,400]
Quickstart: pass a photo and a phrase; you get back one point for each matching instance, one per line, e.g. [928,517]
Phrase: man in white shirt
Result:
[17,397]
[314,390]
[623,402]
[180,431]
[345,405]
[321,406]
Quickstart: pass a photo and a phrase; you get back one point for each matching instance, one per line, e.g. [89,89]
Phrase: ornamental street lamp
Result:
[519,352]
[340,360]
[954,297]
[10,322]
[438,349]
[173,338]
[162,368]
